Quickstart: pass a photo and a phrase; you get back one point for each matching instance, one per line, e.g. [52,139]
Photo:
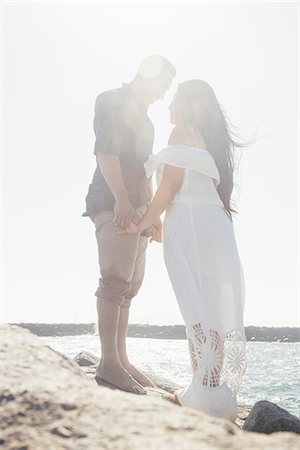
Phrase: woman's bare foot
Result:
[171,398]
[138,375]
[116,375]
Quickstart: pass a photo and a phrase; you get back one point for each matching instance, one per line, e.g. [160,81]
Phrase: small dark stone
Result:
[230,430]
[86,359]
[6,397]
[62,431]
[68,406]
[65,431]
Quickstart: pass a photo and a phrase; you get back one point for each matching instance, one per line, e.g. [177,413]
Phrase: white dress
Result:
[202,260]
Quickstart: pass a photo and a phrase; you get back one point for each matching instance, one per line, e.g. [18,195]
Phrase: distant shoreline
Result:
[253,333]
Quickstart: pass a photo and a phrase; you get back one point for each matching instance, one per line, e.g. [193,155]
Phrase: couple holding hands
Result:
[194,174]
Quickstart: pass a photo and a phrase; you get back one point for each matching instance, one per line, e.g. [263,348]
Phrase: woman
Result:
[195,179]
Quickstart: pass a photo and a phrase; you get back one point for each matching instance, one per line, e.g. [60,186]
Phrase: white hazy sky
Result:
[56,58]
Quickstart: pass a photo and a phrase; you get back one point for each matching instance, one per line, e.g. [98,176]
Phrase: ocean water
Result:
[272,367]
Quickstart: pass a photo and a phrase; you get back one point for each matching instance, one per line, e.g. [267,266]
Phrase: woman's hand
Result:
[156,235]
[156,230]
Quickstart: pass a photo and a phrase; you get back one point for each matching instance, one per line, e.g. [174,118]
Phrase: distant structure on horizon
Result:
[256,334]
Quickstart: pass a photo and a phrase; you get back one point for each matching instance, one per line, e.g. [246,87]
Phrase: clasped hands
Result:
[155,230]
[124,212]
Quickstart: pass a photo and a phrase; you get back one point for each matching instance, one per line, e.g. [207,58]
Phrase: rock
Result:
[266,417]
[89,362]
[47,402]
[86,359]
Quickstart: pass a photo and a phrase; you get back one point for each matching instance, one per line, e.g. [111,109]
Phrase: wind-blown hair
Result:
[199,107]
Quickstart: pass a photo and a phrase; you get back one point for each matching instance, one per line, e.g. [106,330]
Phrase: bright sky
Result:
[56,58]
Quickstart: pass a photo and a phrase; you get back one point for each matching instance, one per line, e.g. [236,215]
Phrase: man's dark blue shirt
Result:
[122,128]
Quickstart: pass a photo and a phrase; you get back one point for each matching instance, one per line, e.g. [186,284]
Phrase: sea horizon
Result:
[253,332]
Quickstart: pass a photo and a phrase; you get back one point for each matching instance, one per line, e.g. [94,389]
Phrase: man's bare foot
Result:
[138,375]
[116,375]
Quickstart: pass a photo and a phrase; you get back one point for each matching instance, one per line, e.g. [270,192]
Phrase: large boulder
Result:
[89,362]
[47,402]
[266,417]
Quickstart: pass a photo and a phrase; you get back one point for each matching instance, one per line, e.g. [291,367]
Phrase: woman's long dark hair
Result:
[199,107]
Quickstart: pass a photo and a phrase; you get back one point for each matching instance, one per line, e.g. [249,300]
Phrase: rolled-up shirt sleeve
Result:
[109,127]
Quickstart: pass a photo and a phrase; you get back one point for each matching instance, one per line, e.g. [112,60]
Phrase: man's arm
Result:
[111,170]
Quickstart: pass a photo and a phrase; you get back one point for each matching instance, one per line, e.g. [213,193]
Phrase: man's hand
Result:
[123,211]
[111,170]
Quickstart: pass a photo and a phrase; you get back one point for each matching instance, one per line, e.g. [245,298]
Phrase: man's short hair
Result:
[154,66]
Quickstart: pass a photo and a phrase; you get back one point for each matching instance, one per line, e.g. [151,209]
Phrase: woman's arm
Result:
[169,186]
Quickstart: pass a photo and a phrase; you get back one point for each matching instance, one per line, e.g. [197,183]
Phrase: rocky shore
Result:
[49,402]
[261,334]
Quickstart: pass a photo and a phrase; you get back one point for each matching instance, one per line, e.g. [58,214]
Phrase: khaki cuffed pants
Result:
[122,259]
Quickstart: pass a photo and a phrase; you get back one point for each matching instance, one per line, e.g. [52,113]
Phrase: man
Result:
[118,194]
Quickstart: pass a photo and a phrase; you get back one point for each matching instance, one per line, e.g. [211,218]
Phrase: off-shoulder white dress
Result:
[203,264]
